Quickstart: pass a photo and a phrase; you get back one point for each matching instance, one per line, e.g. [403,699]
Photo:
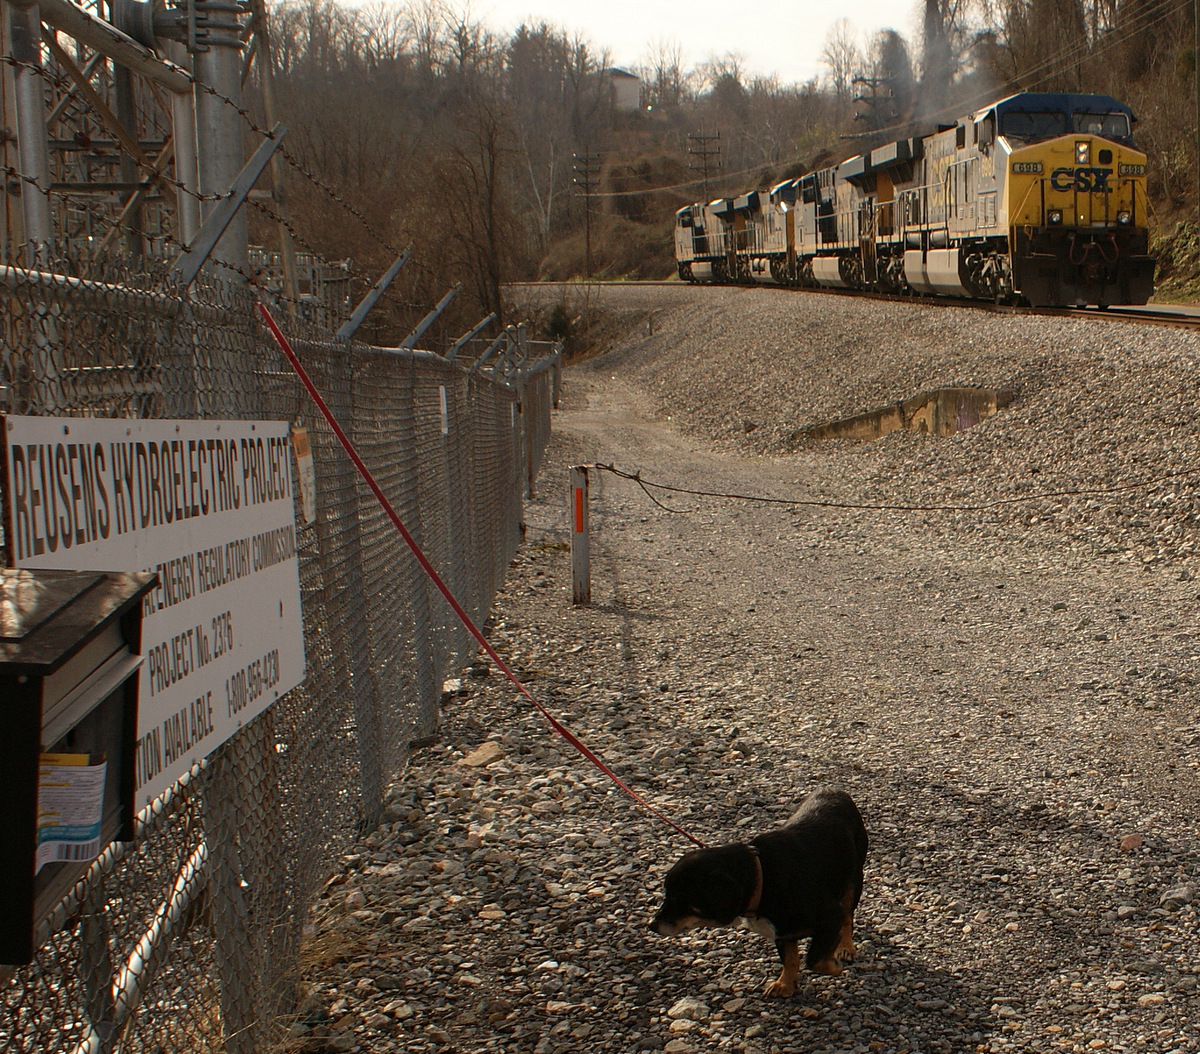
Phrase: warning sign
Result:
[209,506]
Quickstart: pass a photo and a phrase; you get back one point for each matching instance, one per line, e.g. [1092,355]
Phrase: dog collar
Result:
[756,896]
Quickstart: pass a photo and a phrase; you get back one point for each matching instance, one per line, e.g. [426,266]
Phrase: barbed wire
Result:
[248,117]
[252,278]
[76,200]
[57,80]
[146,164]
[156,175]
[264,209]
[333,194]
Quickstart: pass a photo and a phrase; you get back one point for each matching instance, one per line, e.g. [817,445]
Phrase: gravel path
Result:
[1008,694]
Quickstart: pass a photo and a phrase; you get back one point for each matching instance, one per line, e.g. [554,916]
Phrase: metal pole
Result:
[11,223]
[411,340]
[219,127]
[581,575]
[32,147]
[87,28]
[227,210]
[466,338]
[358,316]
[127,114]
[183,132]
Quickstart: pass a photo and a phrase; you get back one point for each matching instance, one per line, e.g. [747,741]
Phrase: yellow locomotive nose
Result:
[1077,208]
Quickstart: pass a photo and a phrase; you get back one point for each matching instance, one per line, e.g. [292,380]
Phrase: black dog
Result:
[802,880]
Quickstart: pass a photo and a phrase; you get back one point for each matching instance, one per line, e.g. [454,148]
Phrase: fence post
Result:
[426,684]
[581,576]
[528,440]
[342,558]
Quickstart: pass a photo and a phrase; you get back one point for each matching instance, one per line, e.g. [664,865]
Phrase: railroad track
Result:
[1150,315]
[1182,316]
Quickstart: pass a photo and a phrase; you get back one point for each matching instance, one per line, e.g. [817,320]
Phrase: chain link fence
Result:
[187,938]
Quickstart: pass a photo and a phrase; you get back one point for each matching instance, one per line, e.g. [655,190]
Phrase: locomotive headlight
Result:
[1083,153]
[1124,218]
[1054,217]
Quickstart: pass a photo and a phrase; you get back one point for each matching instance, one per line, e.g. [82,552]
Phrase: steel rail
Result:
[1149,315]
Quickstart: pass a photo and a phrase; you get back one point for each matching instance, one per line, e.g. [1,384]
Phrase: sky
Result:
[780,37]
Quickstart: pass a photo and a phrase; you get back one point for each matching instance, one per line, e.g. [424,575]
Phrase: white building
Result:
[626,90]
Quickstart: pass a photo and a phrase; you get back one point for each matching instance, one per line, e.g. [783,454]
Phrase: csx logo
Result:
[1082,179]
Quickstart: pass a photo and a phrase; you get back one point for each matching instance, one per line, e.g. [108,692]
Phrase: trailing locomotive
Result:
[1039,198]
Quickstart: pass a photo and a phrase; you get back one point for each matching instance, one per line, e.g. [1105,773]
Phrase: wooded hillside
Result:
[507,158]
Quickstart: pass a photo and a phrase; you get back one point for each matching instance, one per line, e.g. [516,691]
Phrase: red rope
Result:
[431,571]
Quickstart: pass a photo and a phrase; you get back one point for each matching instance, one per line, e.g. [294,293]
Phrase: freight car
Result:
[1039,198]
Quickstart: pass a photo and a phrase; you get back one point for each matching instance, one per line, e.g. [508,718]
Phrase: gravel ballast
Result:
[1007,690]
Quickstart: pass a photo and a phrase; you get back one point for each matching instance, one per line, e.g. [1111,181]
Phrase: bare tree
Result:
[474,174]
[387,43]
[842,59]
[666,82]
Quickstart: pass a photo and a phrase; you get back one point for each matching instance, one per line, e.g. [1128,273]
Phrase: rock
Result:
[690,1009]
[1179,897]
[484,755]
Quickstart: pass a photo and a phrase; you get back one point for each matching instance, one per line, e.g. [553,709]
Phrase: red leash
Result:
[431,571]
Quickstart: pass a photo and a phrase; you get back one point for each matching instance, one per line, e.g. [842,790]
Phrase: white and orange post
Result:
[581,574]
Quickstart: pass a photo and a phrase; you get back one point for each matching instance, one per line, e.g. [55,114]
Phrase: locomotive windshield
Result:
[1108,125]
[1035,126]
[1019,125]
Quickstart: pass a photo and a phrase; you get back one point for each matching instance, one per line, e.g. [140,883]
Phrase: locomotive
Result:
[1037,199]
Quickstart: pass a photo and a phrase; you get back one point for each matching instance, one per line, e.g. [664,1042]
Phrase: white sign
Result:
[208,506]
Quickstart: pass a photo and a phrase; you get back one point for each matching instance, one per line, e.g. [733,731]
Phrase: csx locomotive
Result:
[1039,198]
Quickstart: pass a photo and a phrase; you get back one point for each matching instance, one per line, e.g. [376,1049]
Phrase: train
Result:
[1037,199]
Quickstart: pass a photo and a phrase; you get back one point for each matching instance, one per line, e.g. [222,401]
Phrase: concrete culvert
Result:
[942,411]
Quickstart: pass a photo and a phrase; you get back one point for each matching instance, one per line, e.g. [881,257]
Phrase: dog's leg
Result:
[830,939]
[789,954]
[821,957]
[845,950]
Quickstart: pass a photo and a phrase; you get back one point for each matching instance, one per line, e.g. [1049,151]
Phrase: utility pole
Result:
[882,104]
[706,148]
[587,175]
